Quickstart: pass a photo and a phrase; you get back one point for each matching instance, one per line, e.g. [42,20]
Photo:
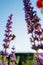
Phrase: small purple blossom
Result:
[41,56]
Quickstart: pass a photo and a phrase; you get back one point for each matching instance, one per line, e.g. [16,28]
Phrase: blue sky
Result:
[19,27]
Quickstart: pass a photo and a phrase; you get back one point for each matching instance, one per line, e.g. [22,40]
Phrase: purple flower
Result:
[5,63]
[41,56]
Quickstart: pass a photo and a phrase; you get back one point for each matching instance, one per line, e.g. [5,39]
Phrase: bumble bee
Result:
[13,37]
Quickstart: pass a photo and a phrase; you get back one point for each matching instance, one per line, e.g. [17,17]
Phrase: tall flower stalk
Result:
[8,34]
[8,38]
[33,26]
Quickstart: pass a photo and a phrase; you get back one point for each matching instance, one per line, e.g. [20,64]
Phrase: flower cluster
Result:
[39,58]
[33,25]
[8,34]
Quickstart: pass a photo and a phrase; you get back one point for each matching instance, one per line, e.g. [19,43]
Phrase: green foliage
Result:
[0,57]
[25,59]
[22,59]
